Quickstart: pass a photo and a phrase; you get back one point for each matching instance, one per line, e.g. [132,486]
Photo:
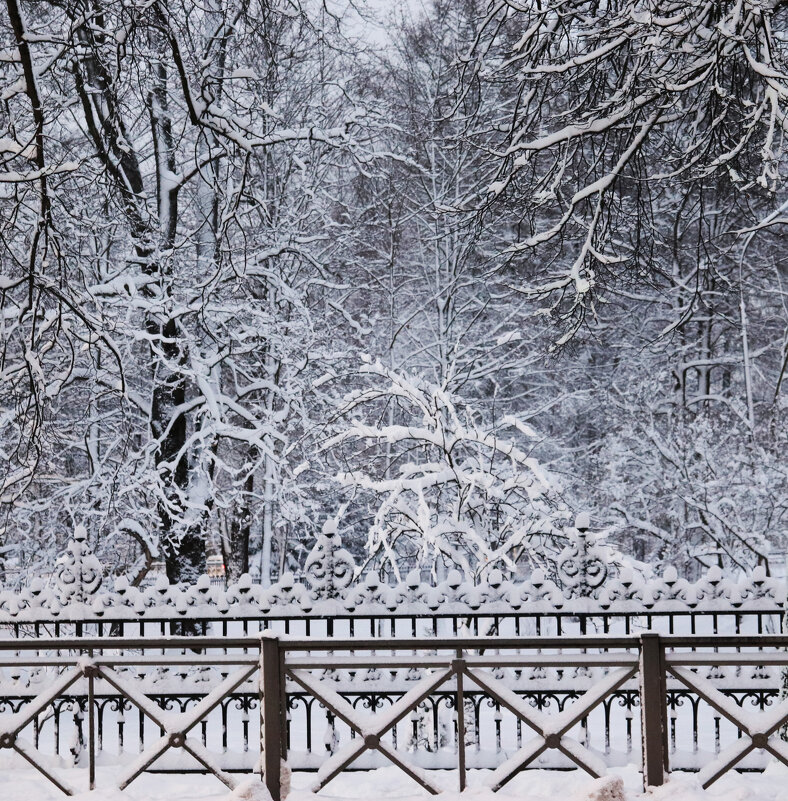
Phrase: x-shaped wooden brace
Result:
[371,732]
[11,726]
[753,737]
[175,727]
[551,729]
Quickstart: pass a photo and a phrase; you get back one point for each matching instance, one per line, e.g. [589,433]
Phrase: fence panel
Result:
[329,705]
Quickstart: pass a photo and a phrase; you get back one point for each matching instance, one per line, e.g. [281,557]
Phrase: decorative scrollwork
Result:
[329,568]
[79,572]
[584,565]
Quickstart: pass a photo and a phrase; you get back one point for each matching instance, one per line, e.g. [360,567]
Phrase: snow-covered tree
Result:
[605,108]
[444,487]
[568,215]
[165,238]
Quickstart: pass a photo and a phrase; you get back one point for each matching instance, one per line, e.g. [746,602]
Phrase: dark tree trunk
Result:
[184,550]
[183,545]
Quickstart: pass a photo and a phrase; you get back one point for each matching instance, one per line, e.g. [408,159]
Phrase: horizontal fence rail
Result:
[241,703]
[487,620]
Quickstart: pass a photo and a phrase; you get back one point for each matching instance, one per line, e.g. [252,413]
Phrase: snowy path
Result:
[20,784]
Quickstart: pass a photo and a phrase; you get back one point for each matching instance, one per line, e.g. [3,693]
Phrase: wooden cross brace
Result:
[550,729]
[11,726]
[760,736]
[175,727]
[371,731]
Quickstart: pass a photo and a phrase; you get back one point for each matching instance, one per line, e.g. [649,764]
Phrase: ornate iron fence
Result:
[587,594]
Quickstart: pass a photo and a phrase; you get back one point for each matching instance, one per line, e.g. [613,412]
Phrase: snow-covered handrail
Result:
[588,586]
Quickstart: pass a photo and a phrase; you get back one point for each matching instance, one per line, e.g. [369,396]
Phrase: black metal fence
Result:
[727,619]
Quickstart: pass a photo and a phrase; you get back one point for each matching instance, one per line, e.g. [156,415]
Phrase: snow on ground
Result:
[25,784]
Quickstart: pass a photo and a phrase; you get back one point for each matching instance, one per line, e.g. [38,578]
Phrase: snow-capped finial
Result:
[78,573]
[583,521]
[330,526]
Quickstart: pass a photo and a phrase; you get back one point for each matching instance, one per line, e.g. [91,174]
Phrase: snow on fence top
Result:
[588,582]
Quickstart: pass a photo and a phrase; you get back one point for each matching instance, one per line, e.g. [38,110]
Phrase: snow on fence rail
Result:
[499,675]
[586,583]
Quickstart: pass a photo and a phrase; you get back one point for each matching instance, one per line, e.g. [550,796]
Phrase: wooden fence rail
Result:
[458,666]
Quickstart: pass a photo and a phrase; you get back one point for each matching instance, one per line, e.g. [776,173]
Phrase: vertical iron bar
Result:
[271,682]
[284,716]
[653,709]
[91,731]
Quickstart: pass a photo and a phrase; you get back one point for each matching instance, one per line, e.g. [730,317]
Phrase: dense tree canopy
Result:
[520,260]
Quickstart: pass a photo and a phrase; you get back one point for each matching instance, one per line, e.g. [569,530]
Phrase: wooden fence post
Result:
[653,709]
[271,732]
[458,666]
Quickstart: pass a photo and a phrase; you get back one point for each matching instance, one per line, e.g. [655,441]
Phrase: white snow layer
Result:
[25,784]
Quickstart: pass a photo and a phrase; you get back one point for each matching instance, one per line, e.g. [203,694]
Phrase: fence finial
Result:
[329,568]
[78,573]
[584,565]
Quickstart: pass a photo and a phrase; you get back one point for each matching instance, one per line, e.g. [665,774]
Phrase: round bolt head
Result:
[177,739]
[371,740]
[7,740]
[552,740]
[760,740]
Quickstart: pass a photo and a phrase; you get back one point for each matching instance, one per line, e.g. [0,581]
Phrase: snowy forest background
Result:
[446,274]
